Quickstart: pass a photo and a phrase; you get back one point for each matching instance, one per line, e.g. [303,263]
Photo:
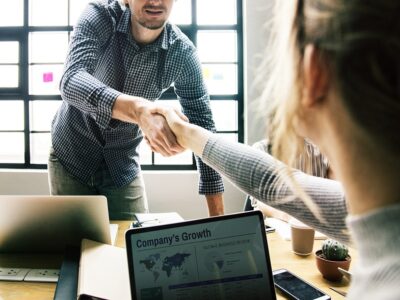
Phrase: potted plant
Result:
[332,255]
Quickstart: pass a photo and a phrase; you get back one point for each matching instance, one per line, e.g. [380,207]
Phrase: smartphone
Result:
[269,229]
[296,288]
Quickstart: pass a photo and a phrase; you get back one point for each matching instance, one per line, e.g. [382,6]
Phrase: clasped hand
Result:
[158,123]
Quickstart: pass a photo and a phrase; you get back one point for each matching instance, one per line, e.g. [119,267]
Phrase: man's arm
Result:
[193,96]
[215,204]
[78,85]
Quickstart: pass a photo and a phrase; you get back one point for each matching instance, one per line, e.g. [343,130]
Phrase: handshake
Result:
[166,129]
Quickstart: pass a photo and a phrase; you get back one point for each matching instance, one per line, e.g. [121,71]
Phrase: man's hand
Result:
[215,204]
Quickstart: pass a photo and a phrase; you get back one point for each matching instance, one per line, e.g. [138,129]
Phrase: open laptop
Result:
[214,258]
[46,224]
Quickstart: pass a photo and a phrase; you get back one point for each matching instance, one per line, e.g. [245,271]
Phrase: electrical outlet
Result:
[13,274]
[43,275]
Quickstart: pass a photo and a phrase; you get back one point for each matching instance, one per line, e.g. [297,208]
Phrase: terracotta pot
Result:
[329,268]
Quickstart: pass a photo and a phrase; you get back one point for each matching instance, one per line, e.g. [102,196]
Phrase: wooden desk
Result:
[305,267]
[281,257]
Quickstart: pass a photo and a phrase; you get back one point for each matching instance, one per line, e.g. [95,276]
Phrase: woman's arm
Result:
[256,173]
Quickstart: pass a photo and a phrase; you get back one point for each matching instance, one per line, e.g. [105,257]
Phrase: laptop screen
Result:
[214,258]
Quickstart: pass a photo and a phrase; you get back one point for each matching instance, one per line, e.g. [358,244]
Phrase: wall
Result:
[258,14]
[166,191]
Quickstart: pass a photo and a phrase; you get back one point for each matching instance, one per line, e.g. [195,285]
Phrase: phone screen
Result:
[296,287]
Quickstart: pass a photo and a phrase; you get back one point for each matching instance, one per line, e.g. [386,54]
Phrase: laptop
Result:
[222,257]
[47,224]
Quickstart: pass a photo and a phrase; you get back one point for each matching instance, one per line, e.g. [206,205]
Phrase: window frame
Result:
[21,34]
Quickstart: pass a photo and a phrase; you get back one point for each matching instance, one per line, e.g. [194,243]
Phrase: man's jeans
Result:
[122,202]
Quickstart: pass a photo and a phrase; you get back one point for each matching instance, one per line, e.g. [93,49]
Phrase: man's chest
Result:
[145,73]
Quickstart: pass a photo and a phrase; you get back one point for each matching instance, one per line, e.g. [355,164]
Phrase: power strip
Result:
[13,274]
[36,275]
[42,275]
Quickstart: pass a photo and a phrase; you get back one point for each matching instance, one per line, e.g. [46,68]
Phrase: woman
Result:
[343,70]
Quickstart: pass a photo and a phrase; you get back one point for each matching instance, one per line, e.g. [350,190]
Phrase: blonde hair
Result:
[360,43]
[360,40]
[283,86]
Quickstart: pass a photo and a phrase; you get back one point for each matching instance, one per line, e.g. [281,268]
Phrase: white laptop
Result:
[46,224]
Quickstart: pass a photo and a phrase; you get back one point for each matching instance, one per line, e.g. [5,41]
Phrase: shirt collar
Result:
[163,41]
[123,25]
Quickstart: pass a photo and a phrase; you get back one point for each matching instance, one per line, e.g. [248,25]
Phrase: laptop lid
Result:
[222,257]
[46,224]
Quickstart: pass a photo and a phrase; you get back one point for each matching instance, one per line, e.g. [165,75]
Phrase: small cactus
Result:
[333,250]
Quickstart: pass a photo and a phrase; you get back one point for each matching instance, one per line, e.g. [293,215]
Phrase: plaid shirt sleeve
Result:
[193,96]
[78,86]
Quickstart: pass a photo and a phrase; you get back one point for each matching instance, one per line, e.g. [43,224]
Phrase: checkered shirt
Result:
[104,61]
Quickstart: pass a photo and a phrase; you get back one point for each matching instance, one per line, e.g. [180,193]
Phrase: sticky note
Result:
[206,72]
[48,77]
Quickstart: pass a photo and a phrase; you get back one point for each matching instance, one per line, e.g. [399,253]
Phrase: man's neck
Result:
[144,36]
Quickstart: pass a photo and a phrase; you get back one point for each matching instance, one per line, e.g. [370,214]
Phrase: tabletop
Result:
[280,254]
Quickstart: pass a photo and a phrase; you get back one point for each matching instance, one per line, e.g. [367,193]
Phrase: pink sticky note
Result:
[48,77]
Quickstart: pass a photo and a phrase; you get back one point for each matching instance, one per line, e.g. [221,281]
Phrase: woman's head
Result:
[356,44]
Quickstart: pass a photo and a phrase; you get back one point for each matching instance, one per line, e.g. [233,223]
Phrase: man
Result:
[122,57]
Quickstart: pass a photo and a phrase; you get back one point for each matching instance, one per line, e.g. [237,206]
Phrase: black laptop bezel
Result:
[196,222]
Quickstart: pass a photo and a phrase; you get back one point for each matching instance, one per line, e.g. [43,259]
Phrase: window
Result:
[31,68]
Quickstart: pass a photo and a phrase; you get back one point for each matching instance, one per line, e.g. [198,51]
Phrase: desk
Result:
[305,267]
[281,257]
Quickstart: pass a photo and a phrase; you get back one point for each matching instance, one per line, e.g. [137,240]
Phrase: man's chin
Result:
[153,25]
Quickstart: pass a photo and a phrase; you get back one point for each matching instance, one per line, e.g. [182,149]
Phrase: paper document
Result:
[151,219]
[113,232]
[283,229]
[103,272]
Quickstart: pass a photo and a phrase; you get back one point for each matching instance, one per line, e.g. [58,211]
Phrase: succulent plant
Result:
[333,250]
